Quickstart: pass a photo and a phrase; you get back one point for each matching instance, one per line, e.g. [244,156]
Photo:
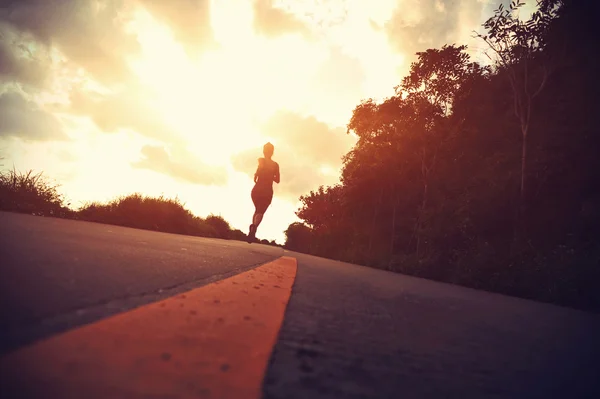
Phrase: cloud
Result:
[23,118]
[338,86]
[19,62]
[189,20]
[418,25]
[90,33]
[65,155]
[128,108]
[308,137]
[272,21]
[303,145]
[188,169]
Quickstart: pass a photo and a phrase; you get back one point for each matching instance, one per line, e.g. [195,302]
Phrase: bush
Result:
[238,235]
[34,194]
[31,193]
[154,213]
[219,225]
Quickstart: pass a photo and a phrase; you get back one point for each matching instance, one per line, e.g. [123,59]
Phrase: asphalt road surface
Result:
[57,274]
[348,331]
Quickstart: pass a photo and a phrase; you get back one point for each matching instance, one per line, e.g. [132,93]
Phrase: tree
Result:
[434,177]
[518,50]
[321,208]
[438,75]
[298,237]
[433,83]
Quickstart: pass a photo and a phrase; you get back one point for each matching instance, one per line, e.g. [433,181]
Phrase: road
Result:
[58,274]
[348,331]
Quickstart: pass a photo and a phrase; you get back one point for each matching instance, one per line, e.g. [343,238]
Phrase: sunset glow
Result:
[177,98]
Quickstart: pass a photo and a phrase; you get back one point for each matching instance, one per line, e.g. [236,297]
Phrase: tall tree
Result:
[438,163]
[434,81]
[518,50]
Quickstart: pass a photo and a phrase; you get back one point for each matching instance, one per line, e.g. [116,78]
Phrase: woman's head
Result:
[268,150]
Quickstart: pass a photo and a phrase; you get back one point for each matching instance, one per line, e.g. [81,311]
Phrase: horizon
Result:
[178,100]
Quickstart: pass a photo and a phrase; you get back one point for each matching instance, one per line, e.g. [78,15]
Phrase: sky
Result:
[177,98]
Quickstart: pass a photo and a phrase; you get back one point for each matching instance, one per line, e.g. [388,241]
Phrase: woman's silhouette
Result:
[262,193]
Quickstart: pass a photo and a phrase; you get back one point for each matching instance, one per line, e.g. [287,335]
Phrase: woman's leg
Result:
[252,228]
[261,203]
[255,201]
[257,218]
[261,208]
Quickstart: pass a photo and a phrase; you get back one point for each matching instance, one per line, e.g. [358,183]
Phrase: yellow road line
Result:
[211,342]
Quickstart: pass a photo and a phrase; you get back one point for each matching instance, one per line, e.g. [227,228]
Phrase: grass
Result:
[31,193]
[36,195]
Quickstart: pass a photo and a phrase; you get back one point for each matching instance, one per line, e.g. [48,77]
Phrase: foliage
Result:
[298,237]
[237,235]
[435,184]
[34,194]
[219,225]
[31,193]
[156,213]
[518,50]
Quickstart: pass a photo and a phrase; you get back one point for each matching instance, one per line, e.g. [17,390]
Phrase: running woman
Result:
[262,193]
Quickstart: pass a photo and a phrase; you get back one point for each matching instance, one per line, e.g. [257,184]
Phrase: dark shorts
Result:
[262,198]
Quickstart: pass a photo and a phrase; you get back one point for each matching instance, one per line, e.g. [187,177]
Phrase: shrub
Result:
[31,193]
[154,213]
[220,226]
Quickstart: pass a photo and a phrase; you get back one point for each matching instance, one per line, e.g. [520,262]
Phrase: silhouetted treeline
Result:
[34,194]
[485,176]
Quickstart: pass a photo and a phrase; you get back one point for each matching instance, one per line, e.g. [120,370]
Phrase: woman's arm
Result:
[261,162]
[276,176]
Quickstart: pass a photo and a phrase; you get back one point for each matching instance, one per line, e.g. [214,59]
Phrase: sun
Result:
[203,101]
[219,101]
